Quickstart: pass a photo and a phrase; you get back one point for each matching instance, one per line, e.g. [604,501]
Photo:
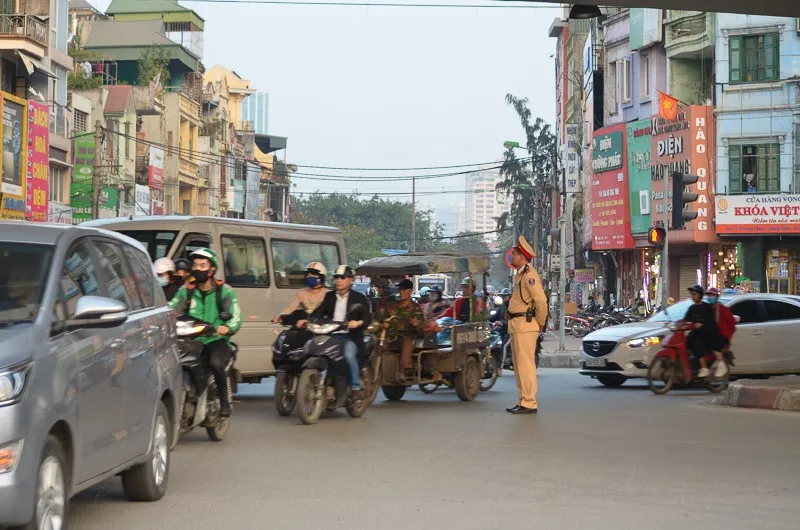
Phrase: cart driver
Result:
[408,323]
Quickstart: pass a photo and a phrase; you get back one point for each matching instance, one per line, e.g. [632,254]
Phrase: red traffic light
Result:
[656,236]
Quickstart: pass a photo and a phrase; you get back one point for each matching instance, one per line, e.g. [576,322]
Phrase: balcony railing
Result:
[27,26]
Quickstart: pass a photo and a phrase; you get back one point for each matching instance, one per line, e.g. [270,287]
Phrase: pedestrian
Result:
[527,315]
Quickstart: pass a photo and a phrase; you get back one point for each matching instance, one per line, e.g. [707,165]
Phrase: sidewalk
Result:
[777,393]
[550,358]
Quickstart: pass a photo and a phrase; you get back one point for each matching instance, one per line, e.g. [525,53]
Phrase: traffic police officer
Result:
[527,314]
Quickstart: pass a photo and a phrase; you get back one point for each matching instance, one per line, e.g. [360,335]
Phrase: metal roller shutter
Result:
[687,275]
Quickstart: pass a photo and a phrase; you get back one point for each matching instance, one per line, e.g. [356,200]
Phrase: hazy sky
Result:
[387,87]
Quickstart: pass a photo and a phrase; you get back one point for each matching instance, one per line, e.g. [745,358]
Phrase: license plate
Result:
[595,363]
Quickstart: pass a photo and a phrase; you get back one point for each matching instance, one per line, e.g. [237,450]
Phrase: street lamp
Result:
[508,144]
[584,12]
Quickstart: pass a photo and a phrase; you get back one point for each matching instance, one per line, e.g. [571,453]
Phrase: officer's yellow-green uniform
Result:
[528,294]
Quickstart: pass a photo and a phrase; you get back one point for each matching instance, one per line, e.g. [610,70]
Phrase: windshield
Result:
[23,277]
[157,242]
[673,312]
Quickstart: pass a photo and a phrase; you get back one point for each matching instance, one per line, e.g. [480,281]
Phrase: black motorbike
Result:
[288,356]
[323,379]
[200,404]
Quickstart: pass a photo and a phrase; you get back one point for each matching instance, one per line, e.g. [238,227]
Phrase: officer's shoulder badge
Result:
[531,281]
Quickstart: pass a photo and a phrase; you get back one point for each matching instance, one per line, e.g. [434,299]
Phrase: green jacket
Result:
[203,306]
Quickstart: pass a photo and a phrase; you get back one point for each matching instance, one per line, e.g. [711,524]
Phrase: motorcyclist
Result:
[499,318]
[703,335]
[437,305]
[467,306]
[726,327]
[423,296]
[210,300]
[311,296]
[592,306]
[183,271]
[165,269]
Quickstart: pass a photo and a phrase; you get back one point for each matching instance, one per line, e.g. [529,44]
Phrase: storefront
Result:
[763,228]
[686,145]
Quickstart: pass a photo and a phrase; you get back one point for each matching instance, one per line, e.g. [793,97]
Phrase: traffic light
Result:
[680,199]
[656,236]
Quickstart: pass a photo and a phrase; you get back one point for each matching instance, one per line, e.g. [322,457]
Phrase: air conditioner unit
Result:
[644,202]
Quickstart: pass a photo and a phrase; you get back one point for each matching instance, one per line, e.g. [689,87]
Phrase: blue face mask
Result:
[312,282]
[712,299]
[163,282]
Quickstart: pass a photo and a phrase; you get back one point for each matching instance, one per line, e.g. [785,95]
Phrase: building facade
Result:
[483,206]
[256,110]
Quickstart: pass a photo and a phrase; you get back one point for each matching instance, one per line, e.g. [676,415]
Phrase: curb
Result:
[560,360]
[749,394]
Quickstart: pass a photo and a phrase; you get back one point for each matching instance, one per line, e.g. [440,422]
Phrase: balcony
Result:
[188,167]
[27,27]
[190,108]
[689,34]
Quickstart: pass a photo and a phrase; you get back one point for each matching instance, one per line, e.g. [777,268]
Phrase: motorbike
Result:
[322,383]
[200,403]
[288,356]
[672,365]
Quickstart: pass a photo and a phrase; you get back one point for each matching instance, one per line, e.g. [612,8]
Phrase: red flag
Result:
[667,107]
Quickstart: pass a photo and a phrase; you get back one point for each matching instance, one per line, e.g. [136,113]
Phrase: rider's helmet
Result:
[434,289]
[696,289]
[206,253]
[317,268]
[425,291]
[164,266]
[713,291]
[183,264]
[505,292]
[344,270]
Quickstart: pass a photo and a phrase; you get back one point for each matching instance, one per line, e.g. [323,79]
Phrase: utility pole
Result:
[413,214]
[98,164]
[562,276]
[665,259]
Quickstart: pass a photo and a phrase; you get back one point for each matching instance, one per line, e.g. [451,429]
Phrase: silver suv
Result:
[89,370]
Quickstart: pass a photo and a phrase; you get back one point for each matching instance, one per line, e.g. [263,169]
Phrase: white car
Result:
[765,342]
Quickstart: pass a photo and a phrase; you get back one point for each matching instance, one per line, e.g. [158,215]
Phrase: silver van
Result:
[264,262]
[89,370]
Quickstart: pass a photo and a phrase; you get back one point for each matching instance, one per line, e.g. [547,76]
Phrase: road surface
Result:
[594,458]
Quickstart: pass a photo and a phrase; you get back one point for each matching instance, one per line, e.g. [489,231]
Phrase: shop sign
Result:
[758,214]
[38,166]
[13,189]
[685,146]
[584,276]
[59,213]
[607,152]
[142,194]
[587,199]
[609,191]
[82,186]
[156,180]
[157,207]
[638,147]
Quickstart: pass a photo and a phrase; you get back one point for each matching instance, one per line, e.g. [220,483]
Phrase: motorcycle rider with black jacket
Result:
[700,320]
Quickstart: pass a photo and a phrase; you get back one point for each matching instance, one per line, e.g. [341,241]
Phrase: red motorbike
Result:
[672,365]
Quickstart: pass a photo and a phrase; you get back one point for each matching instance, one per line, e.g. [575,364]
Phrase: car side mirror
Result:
[98,312]
[737,318]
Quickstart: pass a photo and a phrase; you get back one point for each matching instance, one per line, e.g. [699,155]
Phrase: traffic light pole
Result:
[665,257]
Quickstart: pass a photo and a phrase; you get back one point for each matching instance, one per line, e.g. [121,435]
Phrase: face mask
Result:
[163,282]
[312,282]
[712,300]
[201,276]
[433,297]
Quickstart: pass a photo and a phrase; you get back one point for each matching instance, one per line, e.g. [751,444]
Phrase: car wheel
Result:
[52,500]
[147,482]
[611,381]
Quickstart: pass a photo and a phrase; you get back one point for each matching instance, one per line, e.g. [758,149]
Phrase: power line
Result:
[366,4]
[399,168]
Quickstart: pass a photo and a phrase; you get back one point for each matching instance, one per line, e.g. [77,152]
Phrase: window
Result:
[127,139]
[754,58]
[79,279]
[624,80]
[157,243]
[781,310]
[24,268]
[245,260]
[291,257]
[748,311]
[80,121]
[644,76]
[169,144]
[142,274]
[121,285]
[191,243]
[754,168]
[57,187]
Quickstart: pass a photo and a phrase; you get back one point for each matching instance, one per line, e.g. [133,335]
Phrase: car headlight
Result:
[645,341]
[9,456]
[12,383]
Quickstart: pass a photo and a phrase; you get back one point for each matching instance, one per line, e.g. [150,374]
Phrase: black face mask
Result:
[201,276]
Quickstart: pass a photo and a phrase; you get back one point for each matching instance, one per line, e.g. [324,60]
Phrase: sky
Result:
[373,87]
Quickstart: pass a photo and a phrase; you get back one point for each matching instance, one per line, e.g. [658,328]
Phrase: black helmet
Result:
[405,285]
[183,264]
[697,289]
[436,289]
[505,292]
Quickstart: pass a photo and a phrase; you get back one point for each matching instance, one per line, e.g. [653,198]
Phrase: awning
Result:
[33,64]
[269,144]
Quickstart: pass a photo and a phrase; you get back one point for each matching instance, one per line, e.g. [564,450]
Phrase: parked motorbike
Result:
[288,356]
[323,379]
[200,404]
[672,365]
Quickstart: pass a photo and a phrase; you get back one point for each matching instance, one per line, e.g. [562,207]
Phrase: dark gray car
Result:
[89,370]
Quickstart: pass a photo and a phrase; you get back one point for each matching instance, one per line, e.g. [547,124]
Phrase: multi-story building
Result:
[256,110]
[483,206]
[758,152]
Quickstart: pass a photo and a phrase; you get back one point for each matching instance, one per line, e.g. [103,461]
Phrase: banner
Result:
[142,206]
[611,216]
[14,174]
[584,276]
[59,213]
[81,189]
[38,166]
[638,147]
[156,168]
[758,214]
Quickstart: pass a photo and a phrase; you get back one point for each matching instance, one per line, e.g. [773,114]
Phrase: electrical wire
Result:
[365,4]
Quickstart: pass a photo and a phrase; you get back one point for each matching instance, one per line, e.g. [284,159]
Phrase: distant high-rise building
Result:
[256,109]
[483,205]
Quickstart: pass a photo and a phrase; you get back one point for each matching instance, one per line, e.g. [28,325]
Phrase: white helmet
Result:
[164,265]
[318,267]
